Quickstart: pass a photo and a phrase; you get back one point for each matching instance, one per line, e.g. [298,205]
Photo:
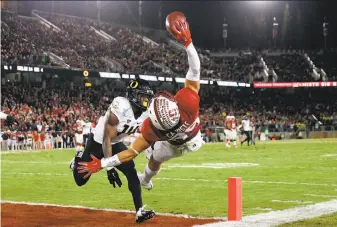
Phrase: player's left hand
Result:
[90,167]
[114,177]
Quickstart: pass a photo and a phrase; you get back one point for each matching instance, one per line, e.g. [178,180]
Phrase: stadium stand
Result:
[85,44]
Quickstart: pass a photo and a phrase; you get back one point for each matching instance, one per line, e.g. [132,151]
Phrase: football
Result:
[173,17]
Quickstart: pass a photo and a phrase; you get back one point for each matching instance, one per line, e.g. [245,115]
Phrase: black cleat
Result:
[143,215]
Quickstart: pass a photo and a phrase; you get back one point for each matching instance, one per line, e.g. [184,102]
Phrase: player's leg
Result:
[253,137]
[246,139]
[227,134]
[92,148]
[130,172]
[249,137]
[155,154]
[234,138]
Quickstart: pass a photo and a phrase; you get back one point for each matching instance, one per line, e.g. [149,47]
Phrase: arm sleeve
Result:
[193,72]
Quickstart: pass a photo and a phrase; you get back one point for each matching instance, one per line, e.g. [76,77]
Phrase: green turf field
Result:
[276,175]
[323,221]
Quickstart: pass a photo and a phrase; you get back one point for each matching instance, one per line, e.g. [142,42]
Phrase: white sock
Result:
[234,142]
[148,174]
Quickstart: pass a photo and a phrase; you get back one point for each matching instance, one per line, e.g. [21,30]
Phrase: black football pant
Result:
[85,139]
[128,168]
[248,137]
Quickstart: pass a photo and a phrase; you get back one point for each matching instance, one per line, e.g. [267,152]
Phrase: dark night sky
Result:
[250,23]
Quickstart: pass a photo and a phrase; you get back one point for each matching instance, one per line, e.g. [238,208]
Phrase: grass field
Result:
[276,175]
[323,221]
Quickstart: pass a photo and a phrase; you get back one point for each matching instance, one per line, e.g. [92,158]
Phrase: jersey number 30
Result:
[128,129]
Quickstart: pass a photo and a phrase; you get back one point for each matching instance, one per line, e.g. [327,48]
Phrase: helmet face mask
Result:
[140,93]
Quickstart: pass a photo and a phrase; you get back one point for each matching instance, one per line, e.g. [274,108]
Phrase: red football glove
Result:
[90,167]
[182,32]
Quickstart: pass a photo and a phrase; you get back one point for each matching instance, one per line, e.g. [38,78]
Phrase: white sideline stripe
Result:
[323,196]
[106,209]
[186,179]
[291,201]
[275,218]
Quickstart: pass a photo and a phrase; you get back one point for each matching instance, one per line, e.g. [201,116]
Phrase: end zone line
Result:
[275,218]
[107,209]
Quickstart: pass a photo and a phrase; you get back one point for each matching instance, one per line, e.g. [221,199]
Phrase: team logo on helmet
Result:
[134,84]
[164,113]
[139,92]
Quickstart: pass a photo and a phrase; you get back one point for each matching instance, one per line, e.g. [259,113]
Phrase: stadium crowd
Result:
[52,111]
[28,41]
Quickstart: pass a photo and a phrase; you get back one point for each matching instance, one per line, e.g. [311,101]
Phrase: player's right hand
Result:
[89,167]
[114,177]
[182,32]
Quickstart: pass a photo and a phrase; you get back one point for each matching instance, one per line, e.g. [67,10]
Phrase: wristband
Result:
[110,162]
[136,152]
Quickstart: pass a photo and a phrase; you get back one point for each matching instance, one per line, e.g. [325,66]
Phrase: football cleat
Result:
[72,164]
[143,215]
[146,185]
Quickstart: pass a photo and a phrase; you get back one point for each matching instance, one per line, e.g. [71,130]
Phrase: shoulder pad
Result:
[119,105]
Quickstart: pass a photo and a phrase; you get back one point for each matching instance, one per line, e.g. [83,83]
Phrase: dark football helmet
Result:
[139,92]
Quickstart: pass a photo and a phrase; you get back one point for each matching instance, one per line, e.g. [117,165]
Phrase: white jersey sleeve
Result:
[127,124]
[119,106]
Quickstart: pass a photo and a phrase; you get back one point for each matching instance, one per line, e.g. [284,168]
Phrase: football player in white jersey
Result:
[173,126]
[124,116]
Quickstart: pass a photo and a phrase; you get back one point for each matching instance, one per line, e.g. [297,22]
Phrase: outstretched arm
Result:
[139,145]
[193,73]
[181,32]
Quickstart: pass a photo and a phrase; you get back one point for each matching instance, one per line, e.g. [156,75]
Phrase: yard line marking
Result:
[289,183]
[258,208]
[329,155]
[291,201]
[106,209]
[275,218]
[299,167]
[189,179]
[324,196]
[225,165]
[204,165]
[32,151]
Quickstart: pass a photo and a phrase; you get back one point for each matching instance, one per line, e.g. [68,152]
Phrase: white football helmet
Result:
[164,111]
